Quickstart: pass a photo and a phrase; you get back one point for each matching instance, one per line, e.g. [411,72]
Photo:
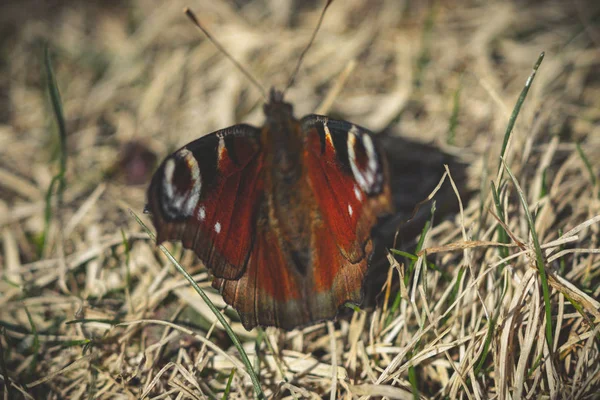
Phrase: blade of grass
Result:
[127,269]
[75,343]
[60,119]
[515,113]
[544,188]
[35,346]
[59,178]
[535,364]
[538,256]
[226,326]
[410,268]
[228,386]
[453,123]
[587,163]
[47,215]
[262,336]
[417,249]
[454,292]
[425,54]
[431,220]
[579,308]
[561,262]
[410,256]
[492,323]
[502,235]
[412,378]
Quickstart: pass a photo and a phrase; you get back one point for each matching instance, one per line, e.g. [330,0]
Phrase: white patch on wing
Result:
[358,175]
[367,177]
[196,181]
[328,137]
[182,203]
[202,213]
[168,177]
[218,227]
[372,162]
[350,212]
[357,193]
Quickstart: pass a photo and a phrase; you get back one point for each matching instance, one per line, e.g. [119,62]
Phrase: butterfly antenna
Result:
[190,14]
[308,46]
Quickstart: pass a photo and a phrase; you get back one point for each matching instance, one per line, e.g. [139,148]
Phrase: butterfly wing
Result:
[348,176]
[207,194]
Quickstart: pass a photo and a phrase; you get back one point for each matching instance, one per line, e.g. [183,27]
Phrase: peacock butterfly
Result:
[281,215]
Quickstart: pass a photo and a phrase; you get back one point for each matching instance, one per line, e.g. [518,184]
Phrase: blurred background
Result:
[137,81]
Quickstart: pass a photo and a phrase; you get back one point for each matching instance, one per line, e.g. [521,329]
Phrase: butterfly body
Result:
[281,215]
[287,190]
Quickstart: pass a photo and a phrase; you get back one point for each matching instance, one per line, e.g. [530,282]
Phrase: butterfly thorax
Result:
[282,136]
[287,190]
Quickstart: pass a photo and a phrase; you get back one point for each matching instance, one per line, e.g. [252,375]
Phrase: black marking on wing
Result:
[230,146]
[322,136]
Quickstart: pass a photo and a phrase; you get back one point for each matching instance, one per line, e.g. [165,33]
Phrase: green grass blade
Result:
[412,378]
[411,266]
[587,163]
[228,386]
[410,256]
[35,346]
[516,110]
[535,365]
[486,346]
[60,120]
[492,323]
[424,57]
[413,259]
[75,343]
[226,326]
[561,261]
[47,215]
[127,268]
[539,259]
[59,178]
[544,189]
[453,123]
[502,234]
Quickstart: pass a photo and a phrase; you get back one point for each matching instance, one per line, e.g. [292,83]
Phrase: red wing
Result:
[207,193]
[348,178]
[272,292]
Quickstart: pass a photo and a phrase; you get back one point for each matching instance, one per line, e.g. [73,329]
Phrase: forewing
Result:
[349,179]
[207,193]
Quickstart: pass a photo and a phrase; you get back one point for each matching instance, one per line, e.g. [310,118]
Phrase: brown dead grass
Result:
[139,71]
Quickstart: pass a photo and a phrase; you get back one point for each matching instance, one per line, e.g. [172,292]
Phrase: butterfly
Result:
[281,215]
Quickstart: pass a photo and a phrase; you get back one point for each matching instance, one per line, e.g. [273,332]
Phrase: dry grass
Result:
[94,310]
